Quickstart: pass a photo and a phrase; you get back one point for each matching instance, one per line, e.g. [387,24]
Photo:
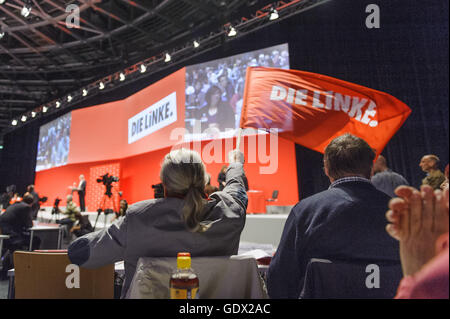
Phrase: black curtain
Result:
[407,57]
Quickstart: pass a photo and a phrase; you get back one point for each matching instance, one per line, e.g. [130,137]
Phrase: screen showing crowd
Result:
[215,91]
[54,143]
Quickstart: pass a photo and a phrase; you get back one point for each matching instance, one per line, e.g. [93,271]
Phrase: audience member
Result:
[82,225]
[345,222]
[123,206]
[384,179]
[71,210]
[419,220]
[15,221]
[182,221]
[222,177]
[35,206]
[429,164]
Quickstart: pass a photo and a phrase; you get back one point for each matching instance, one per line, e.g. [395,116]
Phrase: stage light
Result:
[85,92]
[14,122]
[196,44]
[121,77]
[2,34]
[33,114]
[2,1]
[24,118]
[101,86]
[143,68]
[45,109]
[26,10]
[273,14]
[69,98]
[168,58]
[232,32]
[58,104]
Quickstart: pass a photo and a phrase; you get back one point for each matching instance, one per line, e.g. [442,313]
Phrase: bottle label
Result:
[183,293]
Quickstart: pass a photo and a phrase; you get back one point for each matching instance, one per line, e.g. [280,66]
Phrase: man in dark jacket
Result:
[344,223]
[16,220]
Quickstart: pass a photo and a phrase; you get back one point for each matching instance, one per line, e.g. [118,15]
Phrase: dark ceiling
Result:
[42,58]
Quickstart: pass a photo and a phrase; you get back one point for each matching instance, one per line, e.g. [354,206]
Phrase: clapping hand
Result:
[417,219]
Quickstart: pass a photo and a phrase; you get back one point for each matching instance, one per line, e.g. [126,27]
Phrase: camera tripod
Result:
[106,211]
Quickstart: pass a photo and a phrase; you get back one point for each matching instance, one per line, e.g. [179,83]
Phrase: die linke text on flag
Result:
[312,109]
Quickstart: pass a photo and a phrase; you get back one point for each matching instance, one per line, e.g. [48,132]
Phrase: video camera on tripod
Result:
[107,180]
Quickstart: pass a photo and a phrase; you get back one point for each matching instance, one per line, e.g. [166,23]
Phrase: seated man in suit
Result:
[15,221]
[344,223]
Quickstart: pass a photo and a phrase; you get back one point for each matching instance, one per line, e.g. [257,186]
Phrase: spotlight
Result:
[101,86]
[143,68]
[24,118]
[26,10]
[85,92]
[168,58]
[196,44]
[2,34]
[58,104]
[273,14]
[121,77]
[69,98]
[45,109]
[33,114]
[232,32]
[2,1]
[14,122]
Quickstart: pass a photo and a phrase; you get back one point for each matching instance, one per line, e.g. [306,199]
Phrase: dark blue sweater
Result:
[346,222]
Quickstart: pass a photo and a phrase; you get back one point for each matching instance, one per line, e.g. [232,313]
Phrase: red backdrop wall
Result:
[138,173]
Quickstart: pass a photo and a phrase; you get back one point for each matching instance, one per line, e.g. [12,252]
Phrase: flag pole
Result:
[239,134]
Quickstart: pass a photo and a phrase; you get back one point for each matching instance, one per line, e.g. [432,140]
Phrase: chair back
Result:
[47,275]
[234,277]
[327,279]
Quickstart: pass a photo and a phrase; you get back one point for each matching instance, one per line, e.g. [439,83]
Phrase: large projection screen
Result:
[214,91]
[54,143]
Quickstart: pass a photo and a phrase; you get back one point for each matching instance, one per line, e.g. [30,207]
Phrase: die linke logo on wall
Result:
[152,119]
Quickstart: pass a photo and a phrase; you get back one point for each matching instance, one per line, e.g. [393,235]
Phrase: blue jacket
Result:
[346,222]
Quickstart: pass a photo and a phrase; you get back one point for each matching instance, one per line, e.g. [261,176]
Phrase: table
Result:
[41,227]
[256,202]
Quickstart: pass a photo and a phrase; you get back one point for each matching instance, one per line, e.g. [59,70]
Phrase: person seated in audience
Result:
[82,225]
[122,210]
[435,177]
[15,199]
[384,179]
[16,221]
[344,223]
[182,221]
[209,189]
[222,177]
[71,210]
[419,221]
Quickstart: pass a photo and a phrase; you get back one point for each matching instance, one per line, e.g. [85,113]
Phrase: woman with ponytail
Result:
[184,220]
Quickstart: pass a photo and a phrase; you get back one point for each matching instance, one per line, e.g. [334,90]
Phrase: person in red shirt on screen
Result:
[419,220]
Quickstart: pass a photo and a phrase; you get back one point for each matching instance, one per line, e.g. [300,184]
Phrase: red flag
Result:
[312,109]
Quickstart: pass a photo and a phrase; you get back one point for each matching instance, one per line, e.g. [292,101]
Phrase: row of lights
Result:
[231,32]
